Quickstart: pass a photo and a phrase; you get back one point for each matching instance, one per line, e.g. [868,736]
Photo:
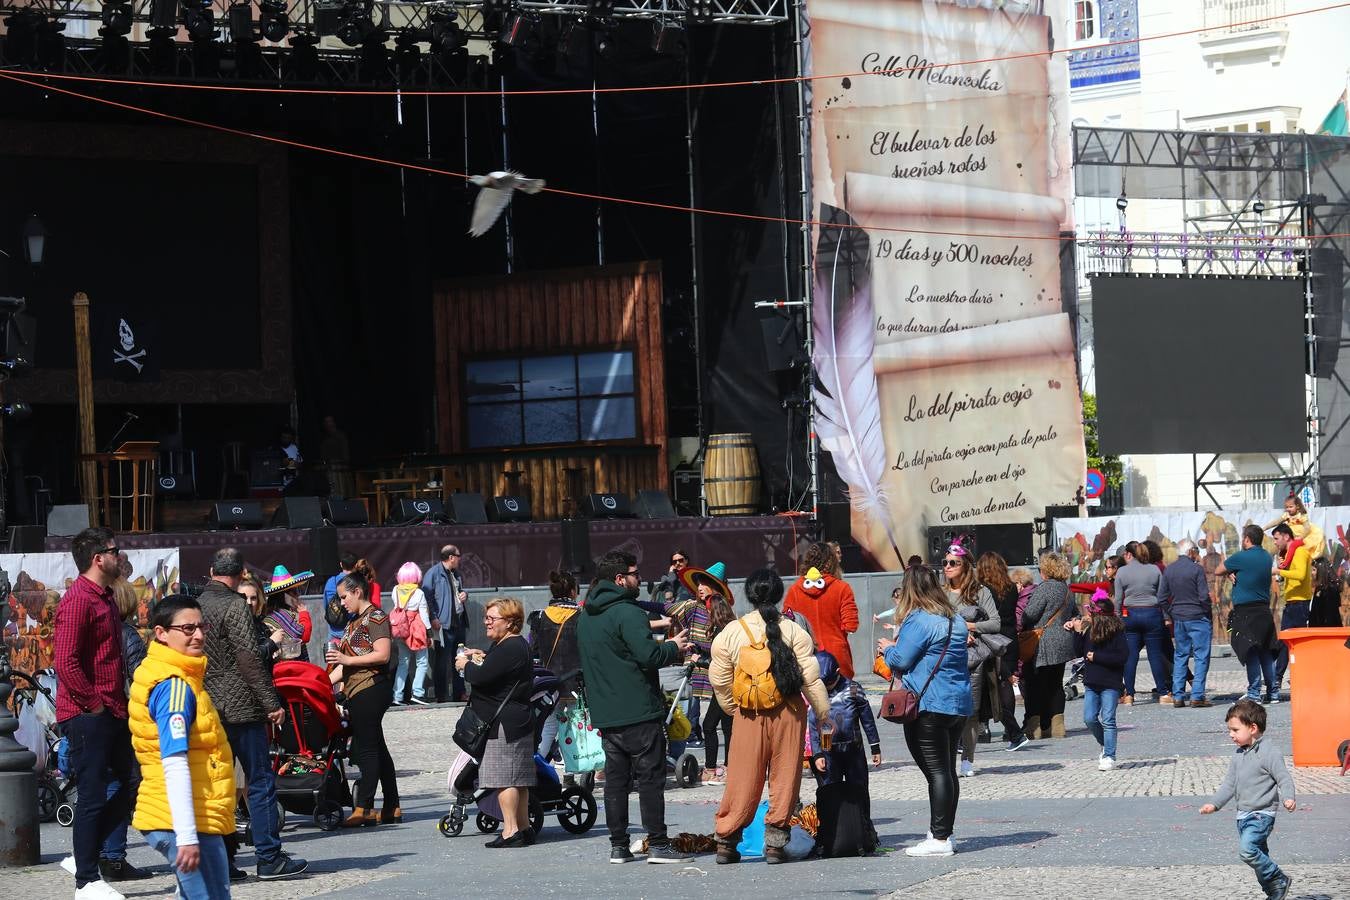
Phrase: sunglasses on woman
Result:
[950,563]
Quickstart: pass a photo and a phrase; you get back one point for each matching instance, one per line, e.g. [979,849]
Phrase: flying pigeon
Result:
[495,194]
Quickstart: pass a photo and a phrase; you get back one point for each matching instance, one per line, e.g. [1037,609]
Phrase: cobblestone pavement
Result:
[1112,882]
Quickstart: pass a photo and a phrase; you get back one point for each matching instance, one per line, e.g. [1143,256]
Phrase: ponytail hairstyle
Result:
[355,581]
[561,585]
[365,570]
[764,590]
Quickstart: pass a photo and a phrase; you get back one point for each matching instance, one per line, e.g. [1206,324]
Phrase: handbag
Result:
[1029,641]
[880,669]
[472,733]
[579,740]
[901,705]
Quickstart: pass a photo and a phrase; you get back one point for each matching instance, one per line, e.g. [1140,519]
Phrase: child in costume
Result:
[1306,534]
[852,718]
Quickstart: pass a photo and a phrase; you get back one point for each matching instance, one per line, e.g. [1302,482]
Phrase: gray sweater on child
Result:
[1257,778]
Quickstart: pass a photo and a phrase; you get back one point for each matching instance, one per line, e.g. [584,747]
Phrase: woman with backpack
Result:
[553,644]
[929,656]
[762,665]
[410,622]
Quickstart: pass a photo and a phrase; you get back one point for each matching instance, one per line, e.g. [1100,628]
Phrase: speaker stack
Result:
[576,549]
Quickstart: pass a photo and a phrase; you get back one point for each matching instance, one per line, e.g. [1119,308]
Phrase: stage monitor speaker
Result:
[323,554]
[1013,542]
[607,506]
[576,549]
[420,509]
[1328,294]
[345,512]
[175,484]
[509,509]
[653,505]
[468,509]
[67,521]
[235,514]
[27,539]
[298,512]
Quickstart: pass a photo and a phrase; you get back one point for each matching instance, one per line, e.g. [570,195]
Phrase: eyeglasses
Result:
[108,551]
[950,563]
[675,561]
[632,574]
[488,620]
[190,628]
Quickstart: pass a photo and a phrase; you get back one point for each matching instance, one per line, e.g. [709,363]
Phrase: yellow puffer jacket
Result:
[209,758]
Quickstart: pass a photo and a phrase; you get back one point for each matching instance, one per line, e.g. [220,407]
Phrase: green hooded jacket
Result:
[620,659]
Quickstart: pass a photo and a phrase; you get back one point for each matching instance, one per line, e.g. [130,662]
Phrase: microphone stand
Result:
[112,444]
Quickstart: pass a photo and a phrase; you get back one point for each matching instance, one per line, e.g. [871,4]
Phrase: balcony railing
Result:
[1237,16]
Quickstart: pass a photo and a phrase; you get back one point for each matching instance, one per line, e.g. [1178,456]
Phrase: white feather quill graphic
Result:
[849,423]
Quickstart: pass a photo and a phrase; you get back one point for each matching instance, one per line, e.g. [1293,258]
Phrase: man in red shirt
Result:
[91,704]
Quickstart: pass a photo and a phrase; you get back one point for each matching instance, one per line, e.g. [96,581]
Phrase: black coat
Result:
[507,663]
[1250,626]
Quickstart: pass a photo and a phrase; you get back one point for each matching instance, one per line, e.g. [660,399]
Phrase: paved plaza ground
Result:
[1038,823]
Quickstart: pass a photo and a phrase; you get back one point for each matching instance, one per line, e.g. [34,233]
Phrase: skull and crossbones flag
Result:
[124,346]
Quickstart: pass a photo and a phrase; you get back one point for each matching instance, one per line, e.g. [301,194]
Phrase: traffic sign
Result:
[1305,494]
[1094,484]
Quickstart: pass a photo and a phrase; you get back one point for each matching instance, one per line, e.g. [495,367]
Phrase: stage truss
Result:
[1251,204]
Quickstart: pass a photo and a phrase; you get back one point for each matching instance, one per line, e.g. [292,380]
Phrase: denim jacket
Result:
[917,648]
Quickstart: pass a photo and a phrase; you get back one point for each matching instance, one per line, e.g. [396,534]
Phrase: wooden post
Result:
[84,405]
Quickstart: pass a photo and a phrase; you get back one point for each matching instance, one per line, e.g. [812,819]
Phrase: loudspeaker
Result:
[467,509]
[509,509]
[1328,293]
[323,551]
[420,509]
[67,521]
[1012,542]
[176,484]
[835,522]
[686,485]
[265,468]
[606,506]
[27,539]
[940,537]
[298,512]
[345,512]
[653,505]
[235,514]
[782,339]
[576,549]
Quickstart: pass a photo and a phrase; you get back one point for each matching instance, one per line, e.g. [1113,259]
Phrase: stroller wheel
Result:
[688,772]
[451,826]
[579,811]
[536,814]
[1070,691]
[281,816]
[65,814]
[1342,750]
[48,800]
[486,824]
[328,816]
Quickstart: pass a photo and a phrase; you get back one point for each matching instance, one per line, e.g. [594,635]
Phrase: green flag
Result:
[1335,123]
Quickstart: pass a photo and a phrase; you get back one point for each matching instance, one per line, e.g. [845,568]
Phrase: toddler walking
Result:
[1258,780]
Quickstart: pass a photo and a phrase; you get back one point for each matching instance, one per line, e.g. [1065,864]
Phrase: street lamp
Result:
[34,240]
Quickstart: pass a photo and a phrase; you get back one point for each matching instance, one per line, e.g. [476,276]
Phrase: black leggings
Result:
[369,752]
[711,719]
[1043,693]
[932,740]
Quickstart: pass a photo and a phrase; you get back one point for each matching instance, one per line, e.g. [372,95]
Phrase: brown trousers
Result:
[767,743]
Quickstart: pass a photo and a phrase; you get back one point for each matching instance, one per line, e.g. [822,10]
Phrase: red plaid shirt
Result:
[88,660]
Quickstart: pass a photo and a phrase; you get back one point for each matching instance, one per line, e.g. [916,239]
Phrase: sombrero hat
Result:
[282,580]
[716,573]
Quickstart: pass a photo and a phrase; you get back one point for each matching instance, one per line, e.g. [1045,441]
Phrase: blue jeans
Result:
[1260,664]
[1253,831]
[1295,615]
[211,879]
[1144,628]
[249,743]
[100,752]
[419,684]
[1099,715]
[1192,637]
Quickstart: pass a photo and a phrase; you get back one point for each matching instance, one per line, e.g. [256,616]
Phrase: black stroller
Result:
[573,804]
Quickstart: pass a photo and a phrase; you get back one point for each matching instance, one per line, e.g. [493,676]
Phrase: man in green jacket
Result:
[620,661]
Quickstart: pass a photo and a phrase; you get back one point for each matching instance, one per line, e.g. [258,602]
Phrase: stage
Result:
[503,555]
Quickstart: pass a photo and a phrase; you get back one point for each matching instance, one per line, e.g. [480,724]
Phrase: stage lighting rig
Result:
[600,10]
[497,7]
[446,34]
[199,19]
[272,17]
[518,31]
[356,27]
[116,19]
[699,10]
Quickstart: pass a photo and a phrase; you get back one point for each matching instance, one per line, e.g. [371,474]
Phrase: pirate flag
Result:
[124,346]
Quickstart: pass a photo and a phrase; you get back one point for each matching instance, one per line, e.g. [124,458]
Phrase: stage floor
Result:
[504,555]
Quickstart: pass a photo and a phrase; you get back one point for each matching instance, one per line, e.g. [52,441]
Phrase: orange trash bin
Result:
[1319,685]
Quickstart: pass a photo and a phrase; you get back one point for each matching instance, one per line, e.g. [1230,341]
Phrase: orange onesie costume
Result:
[828,604]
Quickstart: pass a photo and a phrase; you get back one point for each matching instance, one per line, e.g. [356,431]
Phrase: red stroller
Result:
[308,747]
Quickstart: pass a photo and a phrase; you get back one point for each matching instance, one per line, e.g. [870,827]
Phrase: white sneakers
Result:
[69,864]
[967,768]
[1106,764]
[930,846]
[98,890]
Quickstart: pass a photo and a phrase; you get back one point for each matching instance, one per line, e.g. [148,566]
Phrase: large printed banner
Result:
[37,581]
[947,392]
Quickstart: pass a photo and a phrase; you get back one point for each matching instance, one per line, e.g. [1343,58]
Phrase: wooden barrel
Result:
[731,475]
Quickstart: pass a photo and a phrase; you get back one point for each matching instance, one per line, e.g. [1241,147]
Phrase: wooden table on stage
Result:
[125,491]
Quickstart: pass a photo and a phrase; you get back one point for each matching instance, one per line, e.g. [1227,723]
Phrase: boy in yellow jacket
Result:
[185,805]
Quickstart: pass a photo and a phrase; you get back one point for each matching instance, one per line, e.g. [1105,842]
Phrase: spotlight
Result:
[51,44]
[496,6]
[1258,207]
[699,10]
[600,10]
[604,41]
[240,17]
[518,30]
[164,14]
[407,54]
[669,38]
[357,26]
[446,35]
[21,37]
[275,24]
[304,57]
[116,19]
[574,43]
[1122,202]
[160,47]
[199,19]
